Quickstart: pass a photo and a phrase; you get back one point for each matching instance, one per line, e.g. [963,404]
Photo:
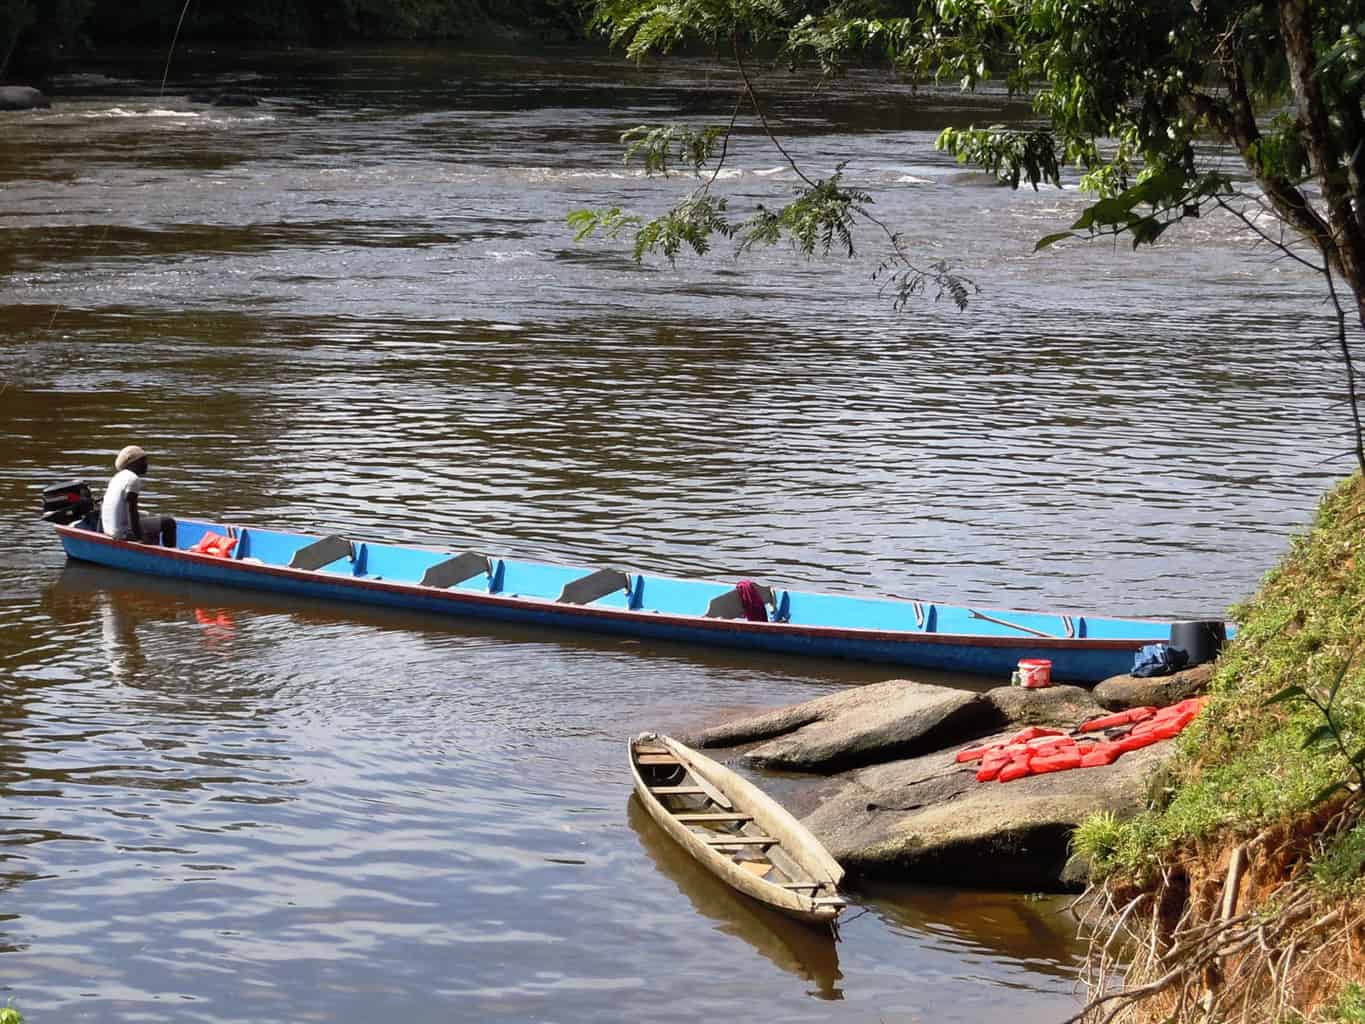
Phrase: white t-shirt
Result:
[114,512]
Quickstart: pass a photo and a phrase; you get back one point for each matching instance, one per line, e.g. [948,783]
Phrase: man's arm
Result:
[134,520]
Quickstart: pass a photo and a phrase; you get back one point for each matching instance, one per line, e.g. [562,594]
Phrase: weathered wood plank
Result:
[740,840]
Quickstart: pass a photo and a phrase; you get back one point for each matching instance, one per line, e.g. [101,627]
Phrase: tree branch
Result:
[762,117]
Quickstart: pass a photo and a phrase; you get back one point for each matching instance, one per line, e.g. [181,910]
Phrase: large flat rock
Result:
[890,721]
[889,800]
[902,721]
[927,819]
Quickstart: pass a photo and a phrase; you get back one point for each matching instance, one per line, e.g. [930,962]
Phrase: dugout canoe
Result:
[735,830]
[455,581]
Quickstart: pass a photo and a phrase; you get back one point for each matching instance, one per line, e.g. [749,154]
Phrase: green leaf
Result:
[1322,736]
[1147,230]
[1048,240]
[659,148]
[1336,683]
[1160,189]
[1289,693]
[610,222]
[818,220]
[1115,210]
[691,223]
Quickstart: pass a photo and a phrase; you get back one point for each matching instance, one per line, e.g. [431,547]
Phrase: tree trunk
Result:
[1348,239]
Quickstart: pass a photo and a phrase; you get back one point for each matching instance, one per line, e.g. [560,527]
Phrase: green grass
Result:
[1098,837]
[9,1015]
[1349,1007]
[1242,764]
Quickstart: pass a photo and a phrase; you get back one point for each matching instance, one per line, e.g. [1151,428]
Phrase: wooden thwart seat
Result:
[741,840]
[322,552]
[456,570]
[656,759]
[589,588]
[719,816]
[729,606]
[677,790]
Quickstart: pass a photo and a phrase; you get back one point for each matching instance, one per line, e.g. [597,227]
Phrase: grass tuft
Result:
[1097,839]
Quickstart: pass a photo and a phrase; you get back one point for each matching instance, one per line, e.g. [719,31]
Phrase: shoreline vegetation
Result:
[38,37]
[1238,895]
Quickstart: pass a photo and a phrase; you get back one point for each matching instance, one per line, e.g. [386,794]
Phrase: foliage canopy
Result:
[1145,97]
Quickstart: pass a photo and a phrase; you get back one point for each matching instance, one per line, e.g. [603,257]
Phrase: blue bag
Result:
[1159,660]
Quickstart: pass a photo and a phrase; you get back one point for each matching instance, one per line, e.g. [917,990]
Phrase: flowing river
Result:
[356,308]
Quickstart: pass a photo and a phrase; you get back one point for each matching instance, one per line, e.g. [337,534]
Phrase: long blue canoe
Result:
[1082,648]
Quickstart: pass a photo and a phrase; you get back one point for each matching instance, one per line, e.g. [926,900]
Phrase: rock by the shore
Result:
[891,801]
[1055,706]
[929,820]
[22,97]
[1119,693]
[890,721]
[866,725]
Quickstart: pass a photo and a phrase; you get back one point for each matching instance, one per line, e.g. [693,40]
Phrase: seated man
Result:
[119,516]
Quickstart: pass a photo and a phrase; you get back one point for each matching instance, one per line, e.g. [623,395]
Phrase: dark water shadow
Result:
[1038,932]
[809,953]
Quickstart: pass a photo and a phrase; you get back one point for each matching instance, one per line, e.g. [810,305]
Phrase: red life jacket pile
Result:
[215,544]
[1037,751]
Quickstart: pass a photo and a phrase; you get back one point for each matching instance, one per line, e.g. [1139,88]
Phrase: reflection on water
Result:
[809,953]
[985,923]
[356,309]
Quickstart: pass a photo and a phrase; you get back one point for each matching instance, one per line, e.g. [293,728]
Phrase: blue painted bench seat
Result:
[677,597]
[853,613]
[395,564]
[269,546]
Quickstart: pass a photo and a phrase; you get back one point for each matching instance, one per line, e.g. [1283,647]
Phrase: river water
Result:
[356,308]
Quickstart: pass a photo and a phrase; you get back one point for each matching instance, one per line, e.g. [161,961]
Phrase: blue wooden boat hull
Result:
[889,630]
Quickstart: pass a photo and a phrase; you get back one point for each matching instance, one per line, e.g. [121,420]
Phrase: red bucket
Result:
[1035,673]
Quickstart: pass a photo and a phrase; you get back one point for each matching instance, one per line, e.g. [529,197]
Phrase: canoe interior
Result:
[743,838]
[628,591]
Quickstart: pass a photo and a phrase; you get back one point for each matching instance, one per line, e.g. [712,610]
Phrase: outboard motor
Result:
[67,503]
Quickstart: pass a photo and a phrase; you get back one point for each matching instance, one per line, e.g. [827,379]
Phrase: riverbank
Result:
[1242,887]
